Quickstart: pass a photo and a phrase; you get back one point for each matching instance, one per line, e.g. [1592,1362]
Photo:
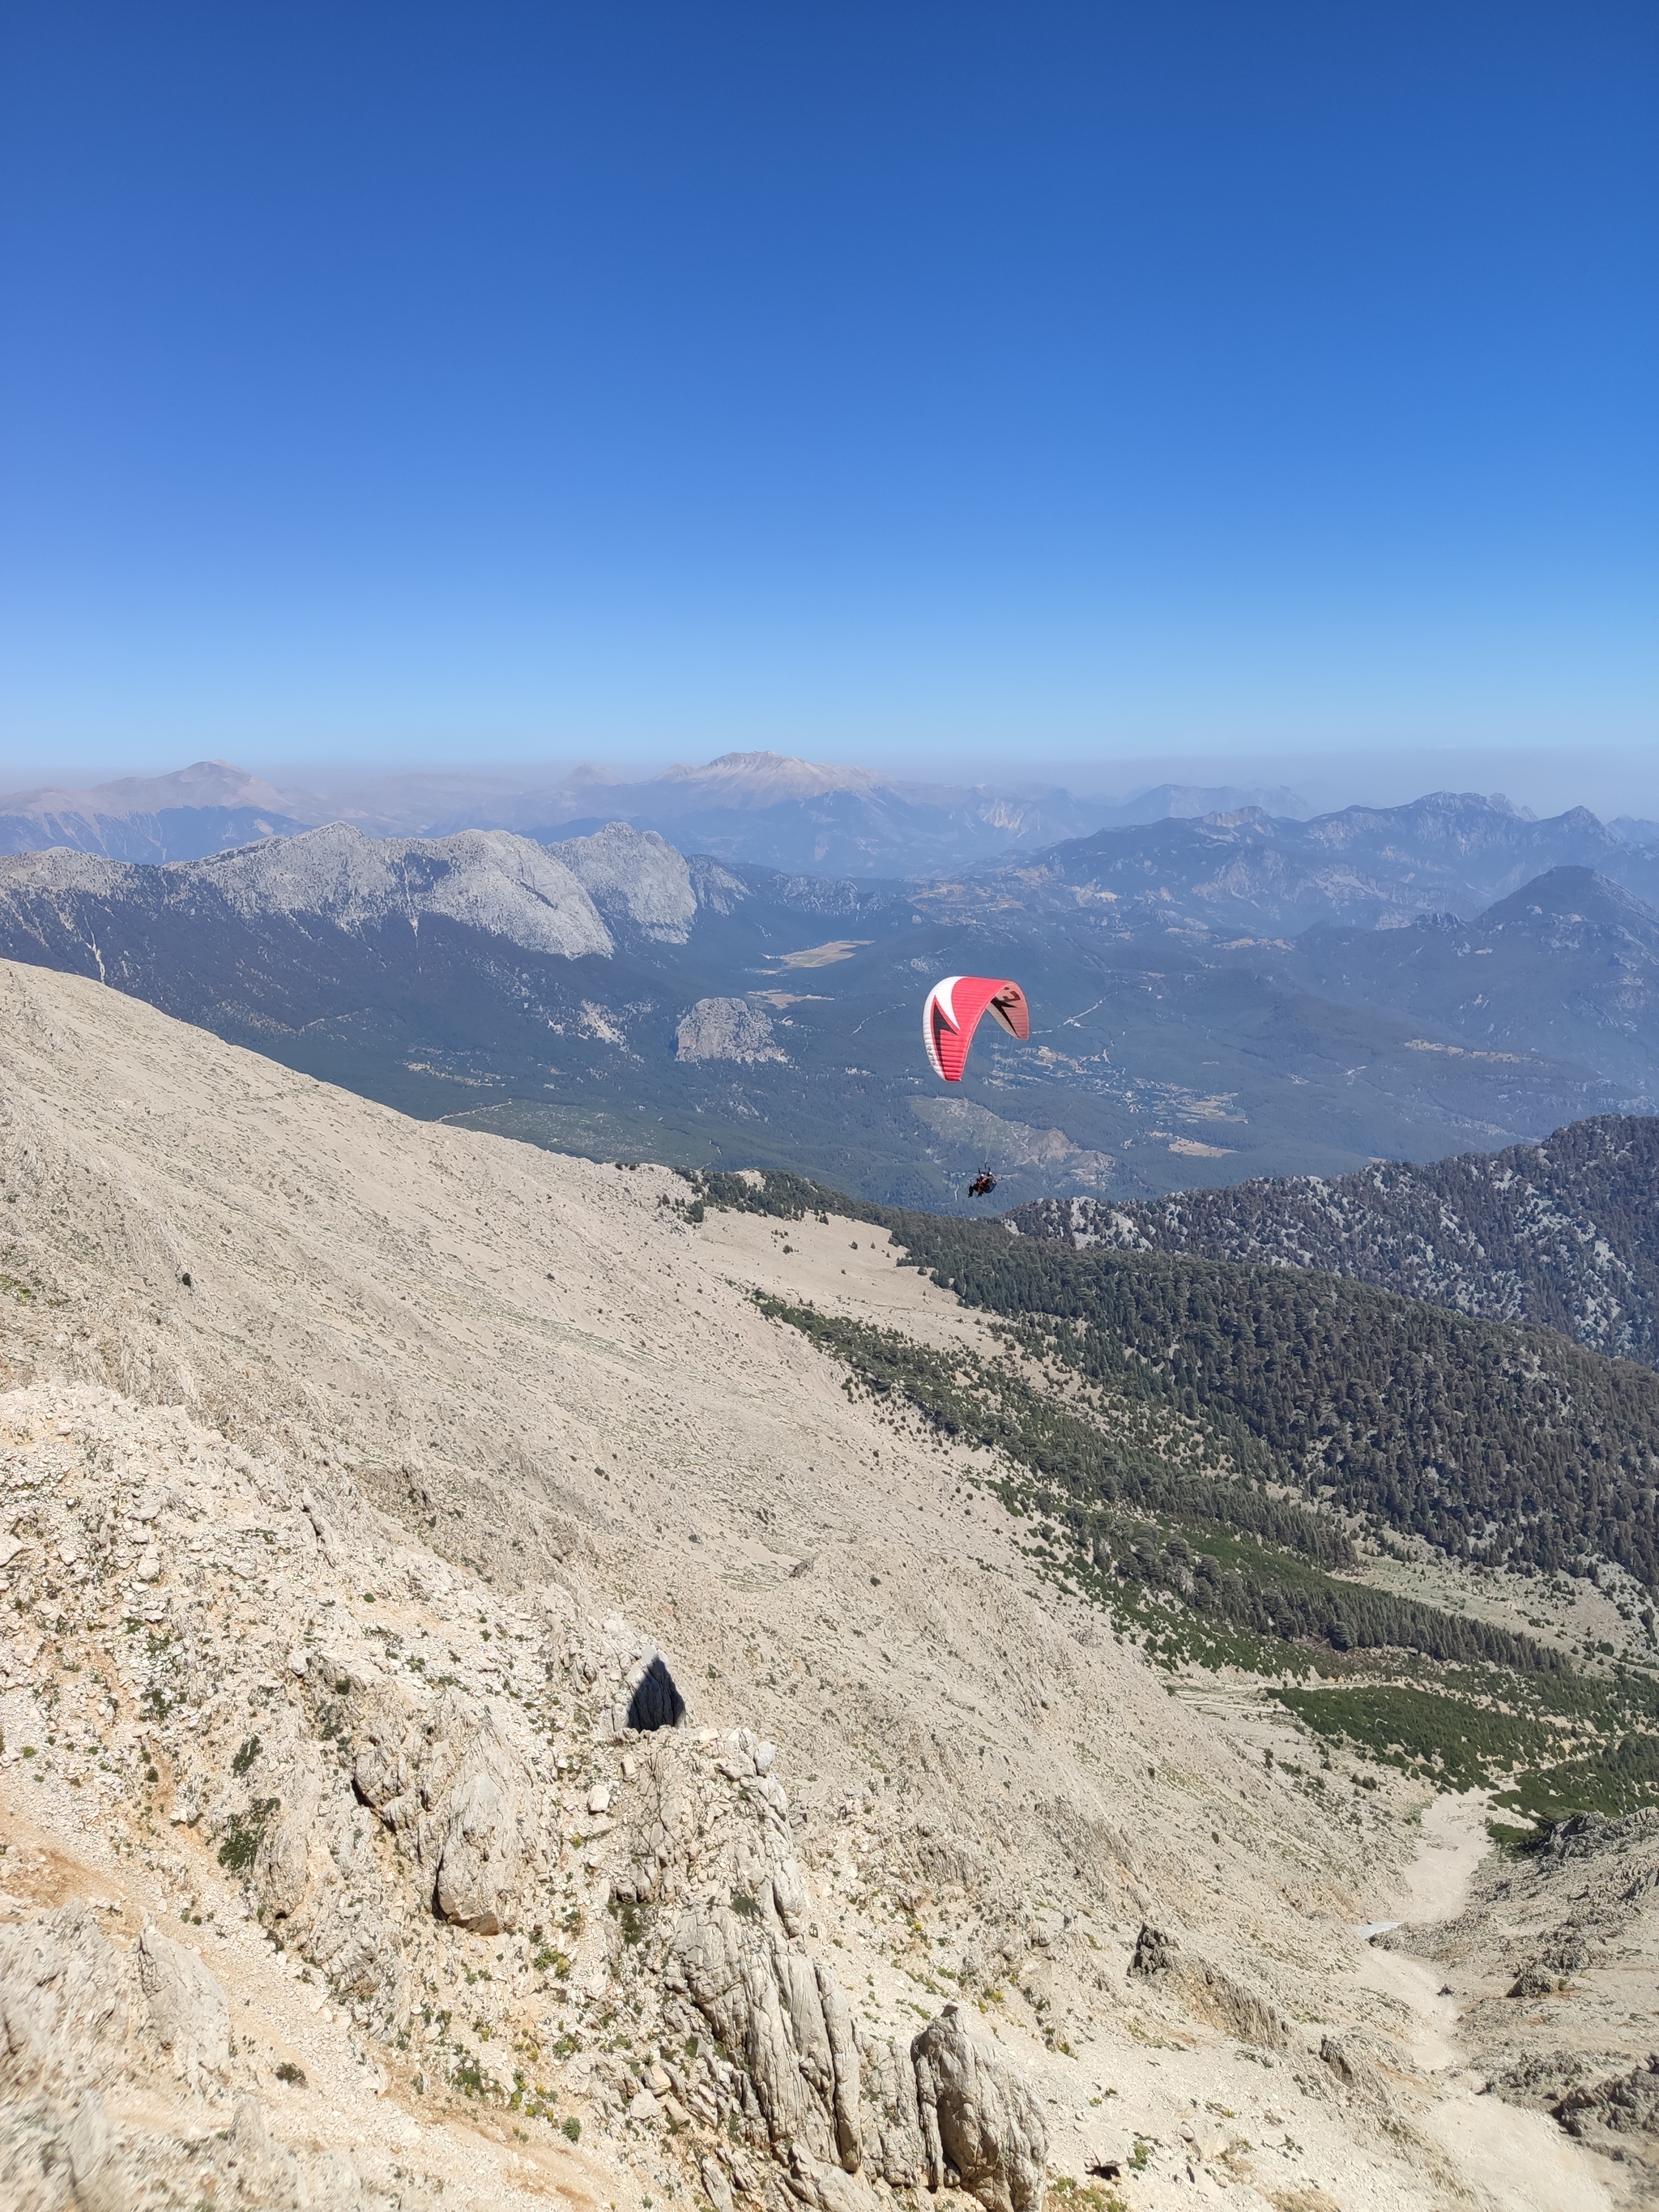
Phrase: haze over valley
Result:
[1216,995]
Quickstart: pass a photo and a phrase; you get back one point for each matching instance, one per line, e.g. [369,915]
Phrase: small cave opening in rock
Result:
[656,1702]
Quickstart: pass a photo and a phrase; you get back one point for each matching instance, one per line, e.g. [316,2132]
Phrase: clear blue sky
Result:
[898,382]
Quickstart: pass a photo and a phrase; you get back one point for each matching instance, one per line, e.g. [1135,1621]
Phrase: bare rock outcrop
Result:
[889,2114]
[447,1787]
[1624,2105]
[634,876]
[978,2116]
[1207,1991]
[186,2005]
[71,2008]
[726,1029]
[90,2031]
[838,2106]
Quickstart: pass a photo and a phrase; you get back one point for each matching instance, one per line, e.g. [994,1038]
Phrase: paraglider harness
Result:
[983,1183]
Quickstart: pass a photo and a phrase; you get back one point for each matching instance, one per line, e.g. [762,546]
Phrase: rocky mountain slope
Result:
[371,1489]
[1565,1233]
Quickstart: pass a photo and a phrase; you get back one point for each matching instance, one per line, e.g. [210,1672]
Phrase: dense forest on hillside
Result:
[1125,1512]
[1563,1234]
[1498,1443]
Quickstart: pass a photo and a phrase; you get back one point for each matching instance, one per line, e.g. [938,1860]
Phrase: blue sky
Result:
[927,385]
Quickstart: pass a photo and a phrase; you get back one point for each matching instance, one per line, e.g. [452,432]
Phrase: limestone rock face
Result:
[488,879]
[767,2000]
[446,1786]
[839,2105]
[978,2116]
[634,876]
[186,2004]
[889,2114]
[90,2032]
[726,1029]
[70,2005]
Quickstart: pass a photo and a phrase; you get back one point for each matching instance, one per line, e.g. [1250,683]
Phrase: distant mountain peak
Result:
[770,779]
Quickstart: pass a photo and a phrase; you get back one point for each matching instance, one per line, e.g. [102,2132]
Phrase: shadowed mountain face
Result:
[1568,965]
[1564,1234]
[605,995]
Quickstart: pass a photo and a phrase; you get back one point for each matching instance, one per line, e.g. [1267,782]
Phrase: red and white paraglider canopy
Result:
[952,1014]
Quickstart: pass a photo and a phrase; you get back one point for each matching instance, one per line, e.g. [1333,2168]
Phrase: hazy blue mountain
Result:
[1568,965]
[1213,859]
[205,809]
[767,810]
[1187,801]
[1564,1233]
[1248,873]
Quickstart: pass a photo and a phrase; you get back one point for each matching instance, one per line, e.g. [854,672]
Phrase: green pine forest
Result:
[1218,1456]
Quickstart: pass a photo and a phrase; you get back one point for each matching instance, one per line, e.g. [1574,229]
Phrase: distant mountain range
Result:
[205,809]
[1568,965]
[603,993]
[1245,872]
[1564,1233]
[759,807]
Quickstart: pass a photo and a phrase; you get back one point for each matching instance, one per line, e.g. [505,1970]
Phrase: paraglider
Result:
[952,1014]
[983,1183]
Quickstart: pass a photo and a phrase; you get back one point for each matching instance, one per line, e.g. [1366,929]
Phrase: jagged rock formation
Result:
[1625,2105]
[978,2119]
[1564,1233]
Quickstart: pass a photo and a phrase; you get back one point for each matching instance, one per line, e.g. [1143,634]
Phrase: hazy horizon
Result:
[1610,785]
